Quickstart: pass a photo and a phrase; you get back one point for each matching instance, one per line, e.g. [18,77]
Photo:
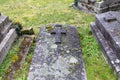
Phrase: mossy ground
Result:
[36,13]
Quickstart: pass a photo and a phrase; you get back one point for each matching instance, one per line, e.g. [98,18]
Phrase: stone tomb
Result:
[7,36]
[97,6]
[57,55]
[106,30]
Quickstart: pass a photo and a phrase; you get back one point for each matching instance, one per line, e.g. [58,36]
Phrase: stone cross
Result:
[110,18]
[58,32]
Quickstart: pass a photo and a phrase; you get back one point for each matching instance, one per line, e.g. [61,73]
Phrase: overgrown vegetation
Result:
[36,13]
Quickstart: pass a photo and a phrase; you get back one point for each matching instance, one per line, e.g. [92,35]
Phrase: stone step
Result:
[4,20]
[6,44]
[109,25]
[108,52]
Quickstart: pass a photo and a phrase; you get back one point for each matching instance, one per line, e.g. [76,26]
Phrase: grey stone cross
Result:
[110,18]
[58,32]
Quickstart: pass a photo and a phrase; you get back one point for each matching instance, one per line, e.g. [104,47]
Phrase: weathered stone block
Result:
[4,19]
[106,30]
[57,55]
[5,45]
[98,7]
[109,25]
[108,52]
[5,25]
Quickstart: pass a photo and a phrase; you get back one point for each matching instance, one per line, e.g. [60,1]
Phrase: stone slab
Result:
[108,52]
[110,28]
[57,61]
[6,44]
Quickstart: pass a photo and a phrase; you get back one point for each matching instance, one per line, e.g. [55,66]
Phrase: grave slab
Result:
[106,30]
[57,55]
[109,24]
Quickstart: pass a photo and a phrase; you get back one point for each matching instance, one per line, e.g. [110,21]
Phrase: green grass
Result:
[36,13]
